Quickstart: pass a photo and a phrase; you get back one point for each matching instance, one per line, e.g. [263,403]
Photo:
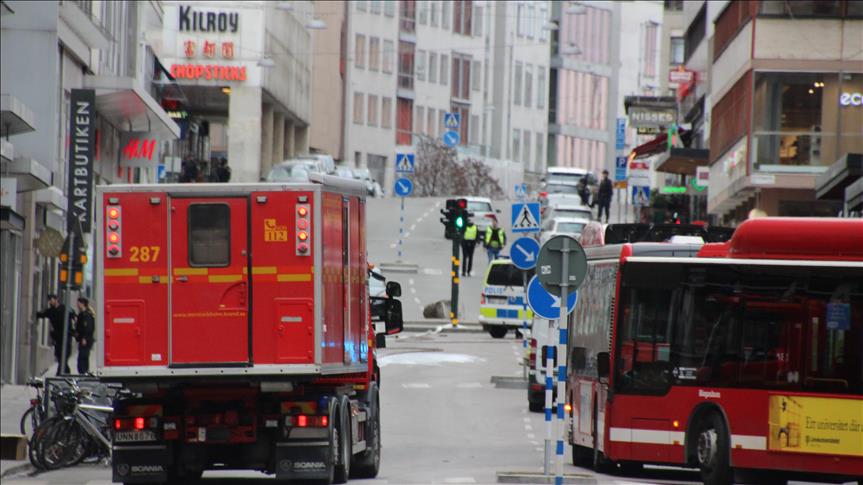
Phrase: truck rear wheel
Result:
[497,331]
[342,463]
[368,463]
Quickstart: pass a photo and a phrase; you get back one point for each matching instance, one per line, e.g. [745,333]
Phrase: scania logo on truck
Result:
[309,465]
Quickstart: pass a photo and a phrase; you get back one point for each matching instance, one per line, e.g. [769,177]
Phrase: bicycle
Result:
[37,412]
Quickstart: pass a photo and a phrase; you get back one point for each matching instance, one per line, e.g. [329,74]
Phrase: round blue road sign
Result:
[404,187]
[544,304]
[524,252]
[451,138]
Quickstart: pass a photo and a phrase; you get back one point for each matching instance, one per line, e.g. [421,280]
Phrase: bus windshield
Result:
[740,325]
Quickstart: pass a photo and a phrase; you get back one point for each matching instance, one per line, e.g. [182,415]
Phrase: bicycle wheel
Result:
[78,444]
[62,446]
[41,435]
[29,423]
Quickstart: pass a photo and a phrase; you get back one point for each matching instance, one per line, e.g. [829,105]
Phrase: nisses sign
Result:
[195,21]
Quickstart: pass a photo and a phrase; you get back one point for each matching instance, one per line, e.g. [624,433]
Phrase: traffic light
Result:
[456,217]
[77,264]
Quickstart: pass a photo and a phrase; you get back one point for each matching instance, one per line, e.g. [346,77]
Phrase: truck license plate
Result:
[139,435]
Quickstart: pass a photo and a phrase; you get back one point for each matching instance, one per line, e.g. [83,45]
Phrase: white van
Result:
[502,300]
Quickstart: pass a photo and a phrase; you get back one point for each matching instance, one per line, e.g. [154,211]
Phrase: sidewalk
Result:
[14,401]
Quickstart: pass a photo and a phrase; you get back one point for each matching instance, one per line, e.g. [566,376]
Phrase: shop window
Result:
[801,8]
[209,235]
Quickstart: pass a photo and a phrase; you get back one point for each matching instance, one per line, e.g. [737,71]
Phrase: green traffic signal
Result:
[459,222]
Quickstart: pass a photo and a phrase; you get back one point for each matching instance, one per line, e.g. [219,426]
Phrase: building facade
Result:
[48,50]
[408,63]
[783,80]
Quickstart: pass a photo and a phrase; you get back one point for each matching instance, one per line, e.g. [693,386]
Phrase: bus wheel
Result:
[712,451]
[497,331]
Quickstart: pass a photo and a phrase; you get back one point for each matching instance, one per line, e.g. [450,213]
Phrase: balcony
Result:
[78,15]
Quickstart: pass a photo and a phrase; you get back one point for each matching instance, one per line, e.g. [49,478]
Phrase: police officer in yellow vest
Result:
[468,244]
[495,240]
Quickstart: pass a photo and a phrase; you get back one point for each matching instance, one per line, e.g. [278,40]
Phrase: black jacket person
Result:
[55,313]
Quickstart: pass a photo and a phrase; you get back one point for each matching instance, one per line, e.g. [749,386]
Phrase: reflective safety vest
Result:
[470,233]
[499,242]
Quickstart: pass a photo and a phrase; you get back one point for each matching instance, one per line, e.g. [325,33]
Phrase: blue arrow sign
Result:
[525,217]
[524,252]
[544,304]
[452,120]
[451,138]
[404,187]
[405,163]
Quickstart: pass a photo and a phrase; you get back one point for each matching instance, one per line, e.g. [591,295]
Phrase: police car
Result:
[502,299]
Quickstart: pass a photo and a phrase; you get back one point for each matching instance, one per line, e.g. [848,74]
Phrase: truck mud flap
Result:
[145,464]
[303,460]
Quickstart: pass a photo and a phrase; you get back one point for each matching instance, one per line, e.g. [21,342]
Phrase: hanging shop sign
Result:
[82,149]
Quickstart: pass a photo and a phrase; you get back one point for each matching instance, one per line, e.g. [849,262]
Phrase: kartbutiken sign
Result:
[82,149]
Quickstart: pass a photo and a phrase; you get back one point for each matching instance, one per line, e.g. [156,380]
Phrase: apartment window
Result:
[441,127]
[422,12]
[516,146]
[406,65]
[375,6]
[421,65]
[695,33]
[516,92]
[543,20]
[463,110]
[433,14]
[526,153]
[389,54]
[358,108]
[650,50]
[809,8]
[531,20]
[477,21]
[431,125]
[540,87]
[373,110]
[404,121]
[475,74]
[419,120]
[462,19]
[361,5]
[540,138]
[519,20]
[386,112]
[360,52]
[528,86]
[673,5]
[444,69]
[445,15]
[460,76]
[474,130]
[432,67]
[407,16]
[374,53]
[389,8]
[677,51]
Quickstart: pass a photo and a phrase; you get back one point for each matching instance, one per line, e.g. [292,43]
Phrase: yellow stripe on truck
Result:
[190,271]
[294,277]
[121,272]
[224,278]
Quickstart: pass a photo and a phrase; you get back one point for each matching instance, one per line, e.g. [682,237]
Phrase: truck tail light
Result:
[303,229]
[307,421]
[113,231]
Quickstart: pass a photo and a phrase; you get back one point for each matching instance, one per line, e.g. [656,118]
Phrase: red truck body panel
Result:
[230,279]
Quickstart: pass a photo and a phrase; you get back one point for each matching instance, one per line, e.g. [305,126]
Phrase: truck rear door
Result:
[209,281]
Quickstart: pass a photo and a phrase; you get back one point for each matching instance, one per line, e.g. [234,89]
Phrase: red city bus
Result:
[740,356]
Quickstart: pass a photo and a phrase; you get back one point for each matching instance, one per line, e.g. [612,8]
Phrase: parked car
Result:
[556,199]
[569,210]
[372,186]
[567,176]
[562,225]
[501,305]
[345,172]
[293,170]
[325,162]
[483,213]
[536,367]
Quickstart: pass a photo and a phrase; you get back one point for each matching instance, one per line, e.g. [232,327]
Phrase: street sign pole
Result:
[401,227]
[524,348]
[67,301]
[563,337]
[453,310]
[549,396]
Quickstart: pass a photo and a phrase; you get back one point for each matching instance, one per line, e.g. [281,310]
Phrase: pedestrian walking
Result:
[224,171]
[583,191]
[189,170]
[85,329]
[468,244]
[55,312]
[495,240]
[604,197]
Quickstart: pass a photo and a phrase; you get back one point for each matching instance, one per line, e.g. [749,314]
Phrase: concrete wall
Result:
[328,85]
[820,39]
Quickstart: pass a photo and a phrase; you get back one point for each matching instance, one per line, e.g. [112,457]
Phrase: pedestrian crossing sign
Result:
[525,217]
[405,162]
[452,120]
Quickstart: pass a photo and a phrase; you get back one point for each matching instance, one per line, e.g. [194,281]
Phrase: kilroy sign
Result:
[82,149]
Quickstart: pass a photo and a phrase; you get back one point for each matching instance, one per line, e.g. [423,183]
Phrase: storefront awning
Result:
[831,184]
[659,144]
[30,174]
[129,107]
[15,116]
[854,195]
[682,161]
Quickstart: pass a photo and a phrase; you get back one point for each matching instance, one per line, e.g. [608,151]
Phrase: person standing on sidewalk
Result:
[468,244]
[604,196]
[55,312]
[85,329]
[495,240]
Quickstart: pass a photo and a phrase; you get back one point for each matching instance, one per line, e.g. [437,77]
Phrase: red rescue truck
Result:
[239,317]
